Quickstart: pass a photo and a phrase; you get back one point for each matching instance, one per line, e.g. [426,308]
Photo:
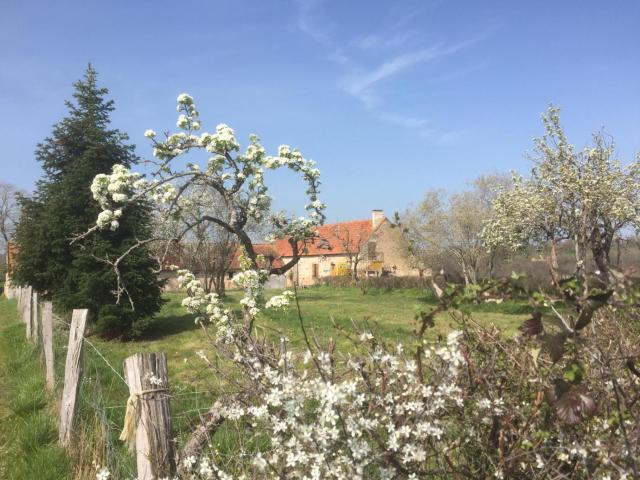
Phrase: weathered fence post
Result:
[146,376]
[72,374]
[35,320]
[20,302]
[26,314]
[47,343]
[9,291]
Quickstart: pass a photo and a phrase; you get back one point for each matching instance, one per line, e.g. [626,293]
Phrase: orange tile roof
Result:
[333,239]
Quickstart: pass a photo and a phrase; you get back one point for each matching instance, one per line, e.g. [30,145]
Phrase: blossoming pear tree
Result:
[587,197]
[237,180]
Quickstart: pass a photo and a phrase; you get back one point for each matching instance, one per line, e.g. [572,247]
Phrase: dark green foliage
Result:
[81,146]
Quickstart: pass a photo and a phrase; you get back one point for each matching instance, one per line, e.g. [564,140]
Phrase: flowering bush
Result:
[476,405]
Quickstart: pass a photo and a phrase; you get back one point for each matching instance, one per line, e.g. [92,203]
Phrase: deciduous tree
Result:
[587,197]
[9,212]
[353,242]
[445,227]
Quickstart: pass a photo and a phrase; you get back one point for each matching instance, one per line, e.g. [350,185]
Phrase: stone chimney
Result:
[377,217]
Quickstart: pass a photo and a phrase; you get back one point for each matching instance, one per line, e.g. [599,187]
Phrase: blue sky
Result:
[390,98]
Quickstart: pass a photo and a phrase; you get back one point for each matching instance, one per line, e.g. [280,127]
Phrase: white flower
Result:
[149,133]
[189,462]
[259,462]
[185,99]
[366,336]
[182,122]
[103,474]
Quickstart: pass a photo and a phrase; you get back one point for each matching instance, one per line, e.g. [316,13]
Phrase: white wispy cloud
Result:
[382,41]
[422,126]
[397,47]
[403,120]
[306,26]
[361,84]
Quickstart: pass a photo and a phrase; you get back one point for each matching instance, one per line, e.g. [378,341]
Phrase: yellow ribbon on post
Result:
[131,416]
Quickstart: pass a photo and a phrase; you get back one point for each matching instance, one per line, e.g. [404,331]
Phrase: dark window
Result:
[371,250]
[314,270]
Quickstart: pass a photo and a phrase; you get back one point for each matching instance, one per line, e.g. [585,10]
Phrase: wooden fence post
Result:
[35,320]
[47,343]
[26,314]
[20,289]
[146,376]
[72,375]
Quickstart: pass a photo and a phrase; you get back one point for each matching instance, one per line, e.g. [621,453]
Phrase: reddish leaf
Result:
[553,344]
[574,404]
[532,326]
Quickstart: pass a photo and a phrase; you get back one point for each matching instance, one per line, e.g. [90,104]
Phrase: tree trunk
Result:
[202,435]
[218,283]
[465,272]
[618,252]
[600,248]
[492,263]
[553,262]
[354,273]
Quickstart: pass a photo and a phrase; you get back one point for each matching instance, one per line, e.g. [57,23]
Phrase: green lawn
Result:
[28,430]
[392,314]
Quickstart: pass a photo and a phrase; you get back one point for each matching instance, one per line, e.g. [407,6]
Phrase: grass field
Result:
[28,431]
[391,312]
[103,393]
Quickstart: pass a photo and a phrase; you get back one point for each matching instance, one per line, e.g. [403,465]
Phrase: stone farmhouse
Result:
[373,247]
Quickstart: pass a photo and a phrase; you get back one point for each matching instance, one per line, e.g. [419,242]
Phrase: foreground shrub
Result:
[547,404]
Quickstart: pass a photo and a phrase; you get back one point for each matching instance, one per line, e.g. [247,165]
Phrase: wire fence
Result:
[103,392]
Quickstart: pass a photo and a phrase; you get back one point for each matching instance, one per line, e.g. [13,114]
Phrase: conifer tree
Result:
[73,275]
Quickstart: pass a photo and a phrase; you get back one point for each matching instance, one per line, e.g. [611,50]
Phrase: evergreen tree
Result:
[81,146]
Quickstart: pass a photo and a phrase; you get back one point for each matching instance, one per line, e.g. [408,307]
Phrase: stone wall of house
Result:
[393,250]
[304,272]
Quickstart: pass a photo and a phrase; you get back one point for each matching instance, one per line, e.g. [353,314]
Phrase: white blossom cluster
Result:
[237,176]
[280,302]
[251,282]
[112,192]
[321,426]
[115,188]
[391,414]
[206,305]
[211,307]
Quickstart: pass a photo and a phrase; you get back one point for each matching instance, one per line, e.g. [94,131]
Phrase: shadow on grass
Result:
[165,326]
